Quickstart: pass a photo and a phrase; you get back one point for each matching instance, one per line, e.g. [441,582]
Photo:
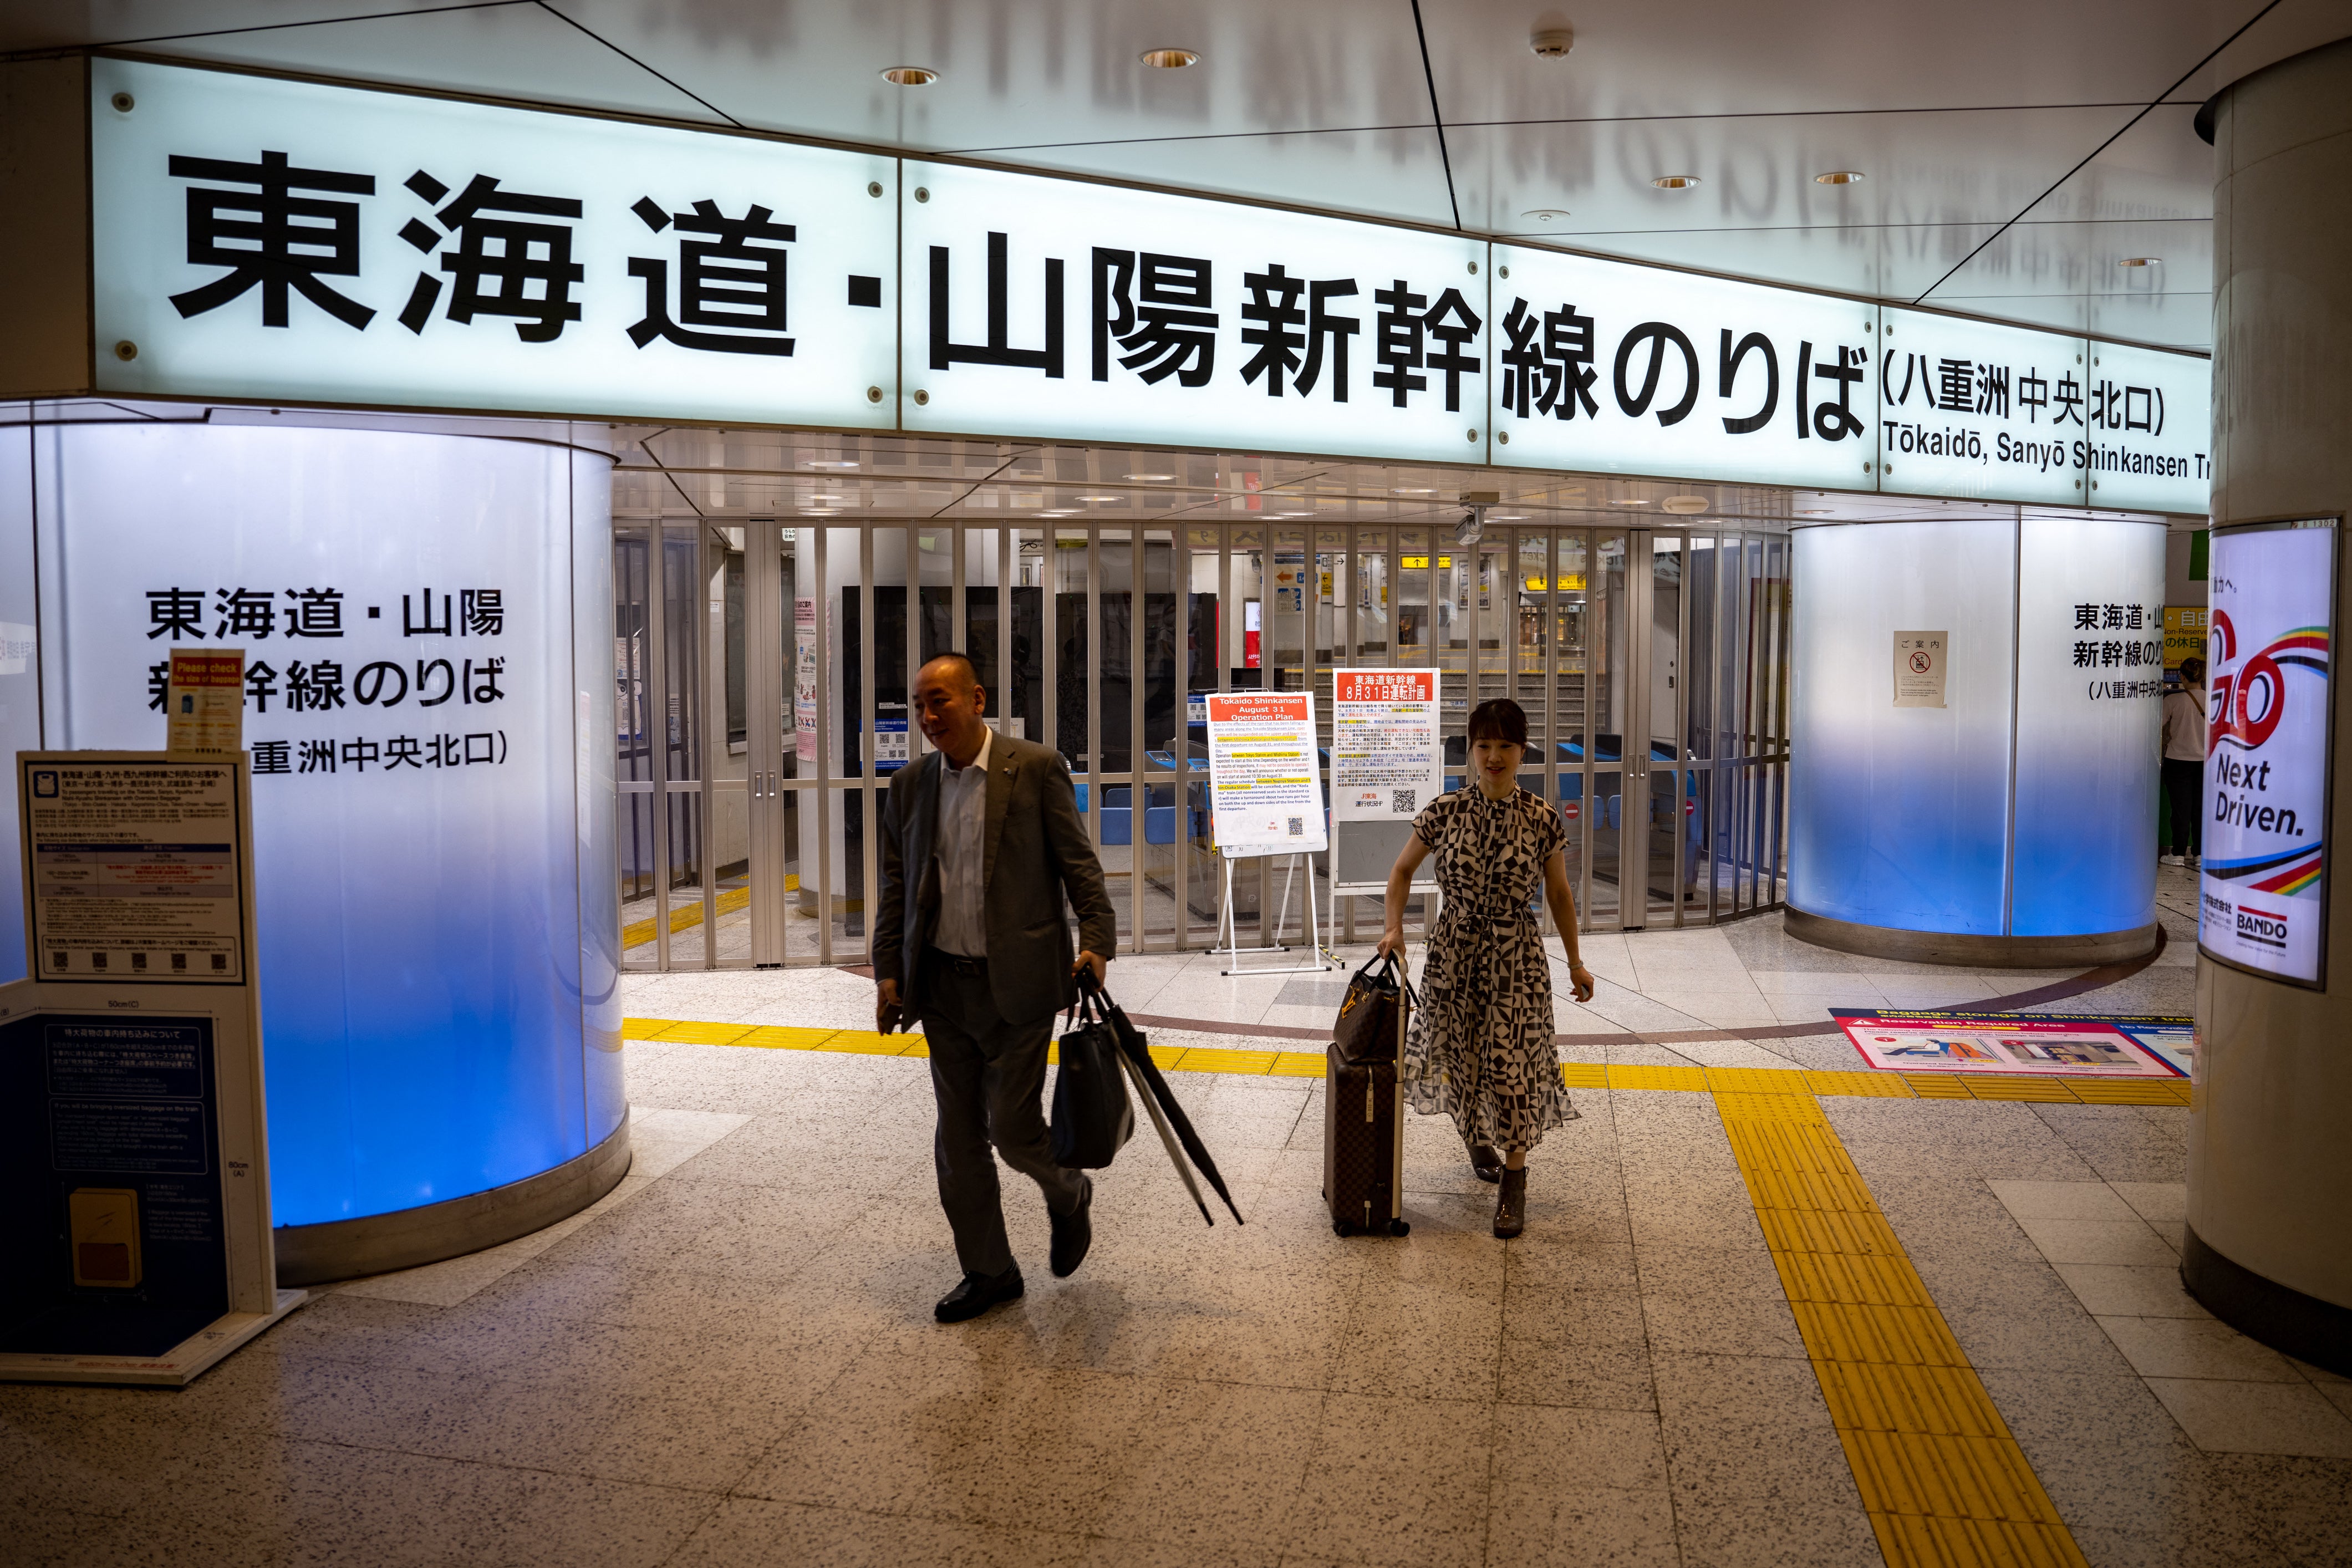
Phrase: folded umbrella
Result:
[1146,1071]
[1167,1138]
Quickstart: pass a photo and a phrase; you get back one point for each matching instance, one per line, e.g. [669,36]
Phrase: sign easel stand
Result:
[1229,927]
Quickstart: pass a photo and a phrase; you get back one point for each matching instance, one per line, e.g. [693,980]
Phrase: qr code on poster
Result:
[1297,828]
[1403,802]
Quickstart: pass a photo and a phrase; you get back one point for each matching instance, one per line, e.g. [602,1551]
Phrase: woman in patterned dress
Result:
[1480,1045]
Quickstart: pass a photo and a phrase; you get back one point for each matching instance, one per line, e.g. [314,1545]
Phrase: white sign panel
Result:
[2263,903]
[260,238]
[1920,661]
[1048,308]
[135,869]
[1388,760]
[1266,791]
[1968,409]
[2151,426]
[1620,369]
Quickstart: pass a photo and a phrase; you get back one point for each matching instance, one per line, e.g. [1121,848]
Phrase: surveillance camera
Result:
[1473,523]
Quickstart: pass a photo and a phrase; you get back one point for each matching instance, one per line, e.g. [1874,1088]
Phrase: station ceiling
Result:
[2015,154]
[731,476]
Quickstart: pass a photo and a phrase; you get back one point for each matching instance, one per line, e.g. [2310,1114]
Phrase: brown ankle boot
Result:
[1486,1163]
[1511,1204]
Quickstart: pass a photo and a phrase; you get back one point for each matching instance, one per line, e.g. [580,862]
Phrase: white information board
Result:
[1265,791]
[2263,888]
[135,869]
[1388,760]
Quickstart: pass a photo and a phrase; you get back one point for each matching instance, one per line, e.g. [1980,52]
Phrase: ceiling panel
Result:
[1029,72]
[1395,174]
[1758,171]
[1732,56]
[1890,263]
[513,52]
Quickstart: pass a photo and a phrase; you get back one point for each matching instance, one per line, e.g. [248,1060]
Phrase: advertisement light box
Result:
[267,240]
[1048,308]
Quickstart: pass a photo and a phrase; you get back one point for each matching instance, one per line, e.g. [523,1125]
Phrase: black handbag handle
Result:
[1391,964]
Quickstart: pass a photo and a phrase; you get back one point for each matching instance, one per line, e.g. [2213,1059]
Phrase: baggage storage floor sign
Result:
[2055,1045]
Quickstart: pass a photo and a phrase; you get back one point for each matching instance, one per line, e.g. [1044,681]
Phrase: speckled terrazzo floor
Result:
[730,1360]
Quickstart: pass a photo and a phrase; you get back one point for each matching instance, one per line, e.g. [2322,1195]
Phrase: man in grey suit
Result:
[988,829]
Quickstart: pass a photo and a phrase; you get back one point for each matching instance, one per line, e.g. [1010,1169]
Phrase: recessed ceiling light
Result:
[1171,60]
[910,75]
[1676,182]
[1294,514]
[1814,511]
[1404,492]
[1507,517]
[823,465]
[1151,478]
[1840,177]
[1684,505]
[1628,503]
[1098,498]
[1544,215]
[2141,261]
[1059,512]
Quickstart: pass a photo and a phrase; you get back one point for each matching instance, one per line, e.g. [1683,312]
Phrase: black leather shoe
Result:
[1511,1204]
[1073,1233]
[1486,1163]
[977,1294]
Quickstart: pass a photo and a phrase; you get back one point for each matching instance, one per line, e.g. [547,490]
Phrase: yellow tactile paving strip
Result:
[1940,1475]
[1578,1075]
[1943,1482]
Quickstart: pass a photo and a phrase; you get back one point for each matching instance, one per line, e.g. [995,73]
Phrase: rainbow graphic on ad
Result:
[2263,901]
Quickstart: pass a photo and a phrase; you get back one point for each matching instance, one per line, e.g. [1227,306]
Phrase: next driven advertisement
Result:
[2265,895]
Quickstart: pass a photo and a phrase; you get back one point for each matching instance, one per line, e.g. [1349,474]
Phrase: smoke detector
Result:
[1553,43]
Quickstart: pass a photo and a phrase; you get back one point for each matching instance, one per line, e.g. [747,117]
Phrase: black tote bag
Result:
[1093,1118]
[1371,1023]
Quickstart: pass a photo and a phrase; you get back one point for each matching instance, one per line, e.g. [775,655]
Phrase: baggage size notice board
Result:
[134,1209]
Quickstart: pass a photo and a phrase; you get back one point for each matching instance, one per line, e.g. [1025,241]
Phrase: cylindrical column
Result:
[1962,788]
[426,621]
[2268,1244]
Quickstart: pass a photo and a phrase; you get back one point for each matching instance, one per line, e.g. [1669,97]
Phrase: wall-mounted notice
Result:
[134,870]
[2264,891]
[1267,791]
[204,701]
[1387,758]
[1920,661]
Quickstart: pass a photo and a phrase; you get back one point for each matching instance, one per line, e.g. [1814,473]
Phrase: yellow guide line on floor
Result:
[684,918]
[1943,1482]
[1941,1477]
[1578,1075]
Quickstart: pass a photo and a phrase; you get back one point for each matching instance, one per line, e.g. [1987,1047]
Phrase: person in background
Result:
[981,841]
[2184,764]
[1479,1047]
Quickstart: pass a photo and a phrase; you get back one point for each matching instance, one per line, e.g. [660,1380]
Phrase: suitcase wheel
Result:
[1341,1228]
[1399,1228]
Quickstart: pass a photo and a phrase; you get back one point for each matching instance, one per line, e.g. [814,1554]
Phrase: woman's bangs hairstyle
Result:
[1500,719]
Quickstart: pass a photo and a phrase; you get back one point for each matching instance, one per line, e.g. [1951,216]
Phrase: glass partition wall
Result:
[762,699]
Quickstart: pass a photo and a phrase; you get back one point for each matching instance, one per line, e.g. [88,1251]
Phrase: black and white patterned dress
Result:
[1480,1046]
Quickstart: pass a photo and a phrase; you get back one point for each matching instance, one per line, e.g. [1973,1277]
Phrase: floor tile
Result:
[2183,1348]
[2130,1290]
[2127,1241]
[2224,1416]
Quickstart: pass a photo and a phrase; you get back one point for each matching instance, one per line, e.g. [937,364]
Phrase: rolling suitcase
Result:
[1363,1144]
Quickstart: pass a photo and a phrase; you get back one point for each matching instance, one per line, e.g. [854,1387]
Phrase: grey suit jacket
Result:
[1036,851]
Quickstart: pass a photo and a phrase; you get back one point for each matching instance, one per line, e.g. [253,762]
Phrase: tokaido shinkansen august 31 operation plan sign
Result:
[2263,902]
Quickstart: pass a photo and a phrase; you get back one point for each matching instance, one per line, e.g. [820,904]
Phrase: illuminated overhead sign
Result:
[1048,308]
[1632,370]
[267,239]
[270,240]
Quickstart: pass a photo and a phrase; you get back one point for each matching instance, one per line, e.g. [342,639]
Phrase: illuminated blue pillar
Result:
[428,626]
[2009,824]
